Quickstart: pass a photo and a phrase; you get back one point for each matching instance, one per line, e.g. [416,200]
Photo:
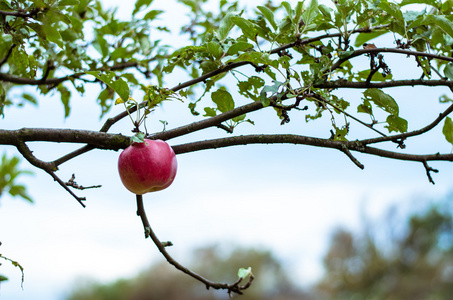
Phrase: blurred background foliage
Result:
[9,171]
[400,256]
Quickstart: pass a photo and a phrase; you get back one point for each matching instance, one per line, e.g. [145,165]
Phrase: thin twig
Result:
[429,170]
[72,183]
[63,184]
[389,50]
[231,288]
[49,168]
[322,99]
[403,136]
[73,154]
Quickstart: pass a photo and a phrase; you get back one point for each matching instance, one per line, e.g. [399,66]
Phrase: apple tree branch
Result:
[231,288]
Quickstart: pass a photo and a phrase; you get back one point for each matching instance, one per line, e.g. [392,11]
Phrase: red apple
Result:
[147,167]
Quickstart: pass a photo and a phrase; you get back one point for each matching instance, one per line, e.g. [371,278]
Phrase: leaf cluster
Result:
[44,39]
[9,172]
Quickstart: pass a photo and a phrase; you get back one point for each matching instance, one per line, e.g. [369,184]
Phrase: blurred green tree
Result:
[414,264]
[161,281]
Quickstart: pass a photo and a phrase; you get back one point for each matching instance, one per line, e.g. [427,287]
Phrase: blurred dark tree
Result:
[413,263]
[161,281]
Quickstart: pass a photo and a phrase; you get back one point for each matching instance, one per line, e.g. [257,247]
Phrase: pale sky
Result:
[280,197]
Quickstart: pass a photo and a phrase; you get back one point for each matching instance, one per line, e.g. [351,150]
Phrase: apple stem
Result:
[231,288]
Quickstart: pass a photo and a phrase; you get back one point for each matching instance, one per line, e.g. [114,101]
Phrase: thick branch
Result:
[94,138]
[115,142]
[214,121]
[305,140]
[21,13]
[234,287]
[341,83]
[30,81]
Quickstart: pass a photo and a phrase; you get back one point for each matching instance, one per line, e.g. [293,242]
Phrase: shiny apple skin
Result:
[147,167]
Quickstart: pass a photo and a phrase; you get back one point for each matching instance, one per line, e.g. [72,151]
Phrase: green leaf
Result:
[244,273]
[30,98]
[447,130]
[363,76]
[393,10]
[68,2]
[268,15]
[239,118]
[258,58]
[341,133]
[118,85]
[325,11]
[210,112]
[269,88]
[445,99]
[363,37]
[130,77]
[138,138]
[250,88]
[9,171]
[225,26]
[344,54]
[365,108]
[448,71]
[103,99]
[396,124]
[192,107]
[20,190]
[101,45]
[52,33]
[65,97]
[215,49]
[288,8]
[311,12]
[139,4]
[151,15]
[239,47]
[383,100]
[223,99]
[121,88]
[299,10]
[428,2]
[441,21]
[247,27]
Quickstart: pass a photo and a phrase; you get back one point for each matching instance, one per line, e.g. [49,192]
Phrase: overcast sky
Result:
[257,196]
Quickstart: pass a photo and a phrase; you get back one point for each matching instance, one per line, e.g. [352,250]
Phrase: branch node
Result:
[429,170]
[167,244]
[71,182]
